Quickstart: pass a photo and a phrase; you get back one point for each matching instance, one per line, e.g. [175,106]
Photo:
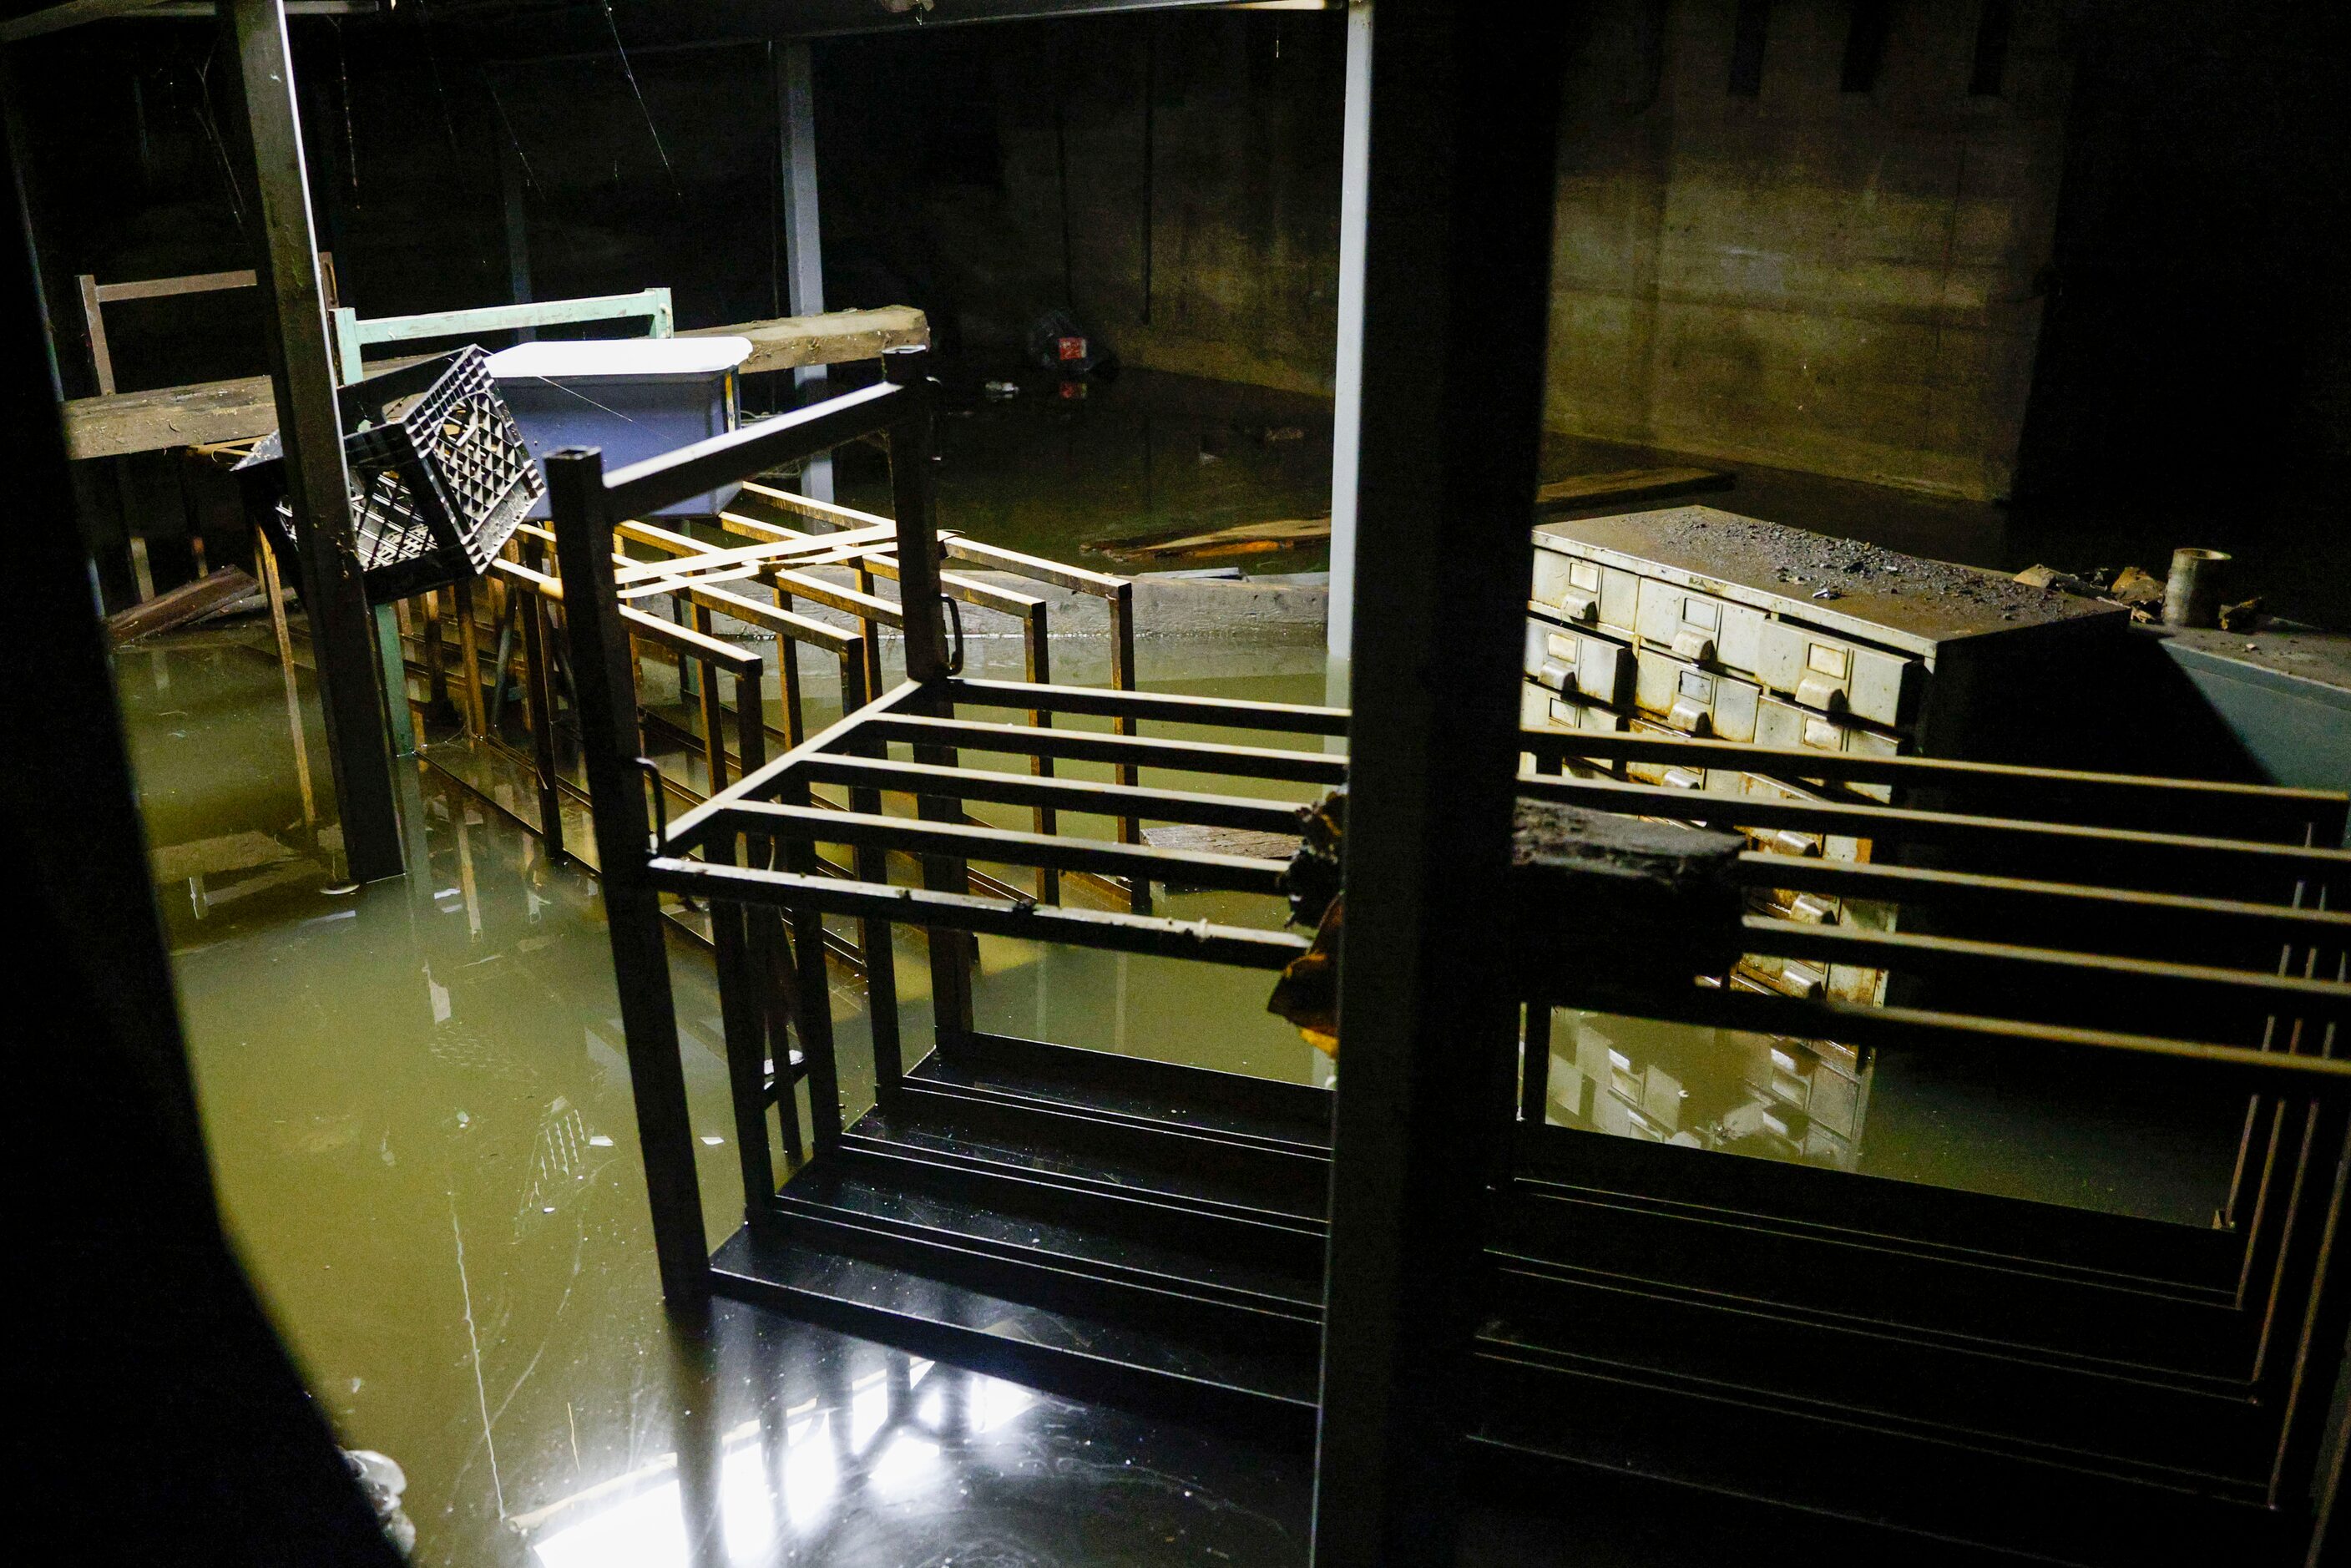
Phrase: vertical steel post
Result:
[1347,384]
[927,661]
[803,245]
[539,669]
[343,628]
[1458,197]
[605,695]
[1122,676]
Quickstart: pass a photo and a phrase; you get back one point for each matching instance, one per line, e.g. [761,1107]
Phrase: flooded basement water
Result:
[419,1113]
[418,1109]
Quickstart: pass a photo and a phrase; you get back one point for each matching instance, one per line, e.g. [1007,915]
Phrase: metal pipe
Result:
[2191,594]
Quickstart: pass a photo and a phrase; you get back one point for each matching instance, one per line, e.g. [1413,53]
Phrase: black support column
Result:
[1464,115]
[618,783]
[343,628]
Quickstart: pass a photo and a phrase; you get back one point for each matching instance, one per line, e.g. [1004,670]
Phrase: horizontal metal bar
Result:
[1006,846]
[652,628]
[1171,707]
[689,471]
[1785,761]
[979,595]
[1076,578]
[1065,794]
[654,304]
[1969,890]
[687,831]
[1088,745]
[1236,946]
[848,600]
[2233,1068]
[1899,824]
[2286,995]
[766,617]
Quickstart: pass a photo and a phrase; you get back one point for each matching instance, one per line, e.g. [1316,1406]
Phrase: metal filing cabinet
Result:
[1694,621]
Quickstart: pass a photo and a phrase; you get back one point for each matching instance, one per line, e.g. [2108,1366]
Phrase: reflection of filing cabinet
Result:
[1792,1100]
[1695,622]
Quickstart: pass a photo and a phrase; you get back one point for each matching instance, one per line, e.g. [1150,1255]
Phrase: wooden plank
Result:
[158,287]
[71,14]
[832,338]
[1246,538]
[241,410]
[189,601]
[1628,485]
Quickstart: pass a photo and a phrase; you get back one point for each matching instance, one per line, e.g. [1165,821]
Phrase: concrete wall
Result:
[1202,185]
[1841,282]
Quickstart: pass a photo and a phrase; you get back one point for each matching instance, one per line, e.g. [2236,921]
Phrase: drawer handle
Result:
[1812,909]
[1579,604]
[1685,778]
[1787,842]
[1556,675]
[1804,980]
[1821,736]
[1821,693]
[1689,717]
[1693,645]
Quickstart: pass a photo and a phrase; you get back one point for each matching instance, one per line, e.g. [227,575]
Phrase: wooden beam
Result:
[72,14]
[241,410]
[831,338]
[189,601]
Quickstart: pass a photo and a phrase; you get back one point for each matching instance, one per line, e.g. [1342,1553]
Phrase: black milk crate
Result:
[440,475]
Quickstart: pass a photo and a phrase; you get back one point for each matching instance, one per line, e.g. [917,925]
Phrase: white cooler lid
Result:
[562,361]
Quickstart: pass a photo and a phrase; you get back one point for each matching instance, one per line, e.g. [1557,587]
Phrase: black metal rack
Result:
[1139,1231]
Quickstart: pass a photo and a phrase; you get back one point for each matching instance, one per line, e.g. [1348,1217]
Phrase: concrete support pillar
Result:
[1347,404]
[1459,194]
[803,242]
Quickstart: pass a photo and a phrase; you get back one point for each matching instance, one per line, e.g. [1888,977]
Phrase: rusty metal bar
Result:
[1236,874]
[1167,706]
[1130,751]
[1924,827]
[1117,931]
[1149,803]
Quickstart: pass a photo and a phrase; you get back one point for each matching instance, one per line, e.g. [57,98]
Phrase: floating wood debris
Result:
[189,601]
[1248,538]
[1628,485]
[1309,533]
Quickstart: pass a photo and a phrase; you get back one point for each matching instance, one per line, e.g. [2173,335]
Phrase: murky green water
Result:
[419,1114]
[418,1108]
[1145,453]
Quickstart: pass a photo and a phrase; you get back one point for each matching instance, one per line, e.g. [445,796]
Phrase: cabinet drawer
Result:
[1575,663]
[1783,723]
[1677,775]
[1829,674]
[1701,627]
[1789,977]
[1539,708]
[1691,701]
[1790,840]
[1584,592]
